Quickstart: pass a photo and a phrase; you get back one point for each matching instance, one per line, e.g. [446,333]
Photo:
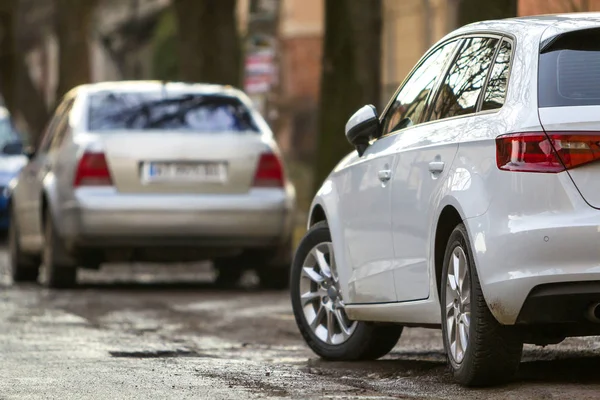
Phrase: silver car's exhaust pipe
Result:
[593,313]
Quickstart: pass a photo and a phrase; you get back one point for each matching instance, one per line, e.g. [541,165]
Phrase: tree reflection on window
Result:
[410,102]
[495,92]
[193,112]
[460,91]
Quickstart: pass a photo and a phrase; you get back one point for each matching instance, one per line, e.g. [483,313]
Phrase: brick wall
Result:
[302,65]
[301,72]
[533,7]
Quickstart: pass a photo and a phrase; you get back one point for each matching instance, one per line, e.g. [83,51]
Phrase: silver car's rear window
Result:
[117,111]
[569,71]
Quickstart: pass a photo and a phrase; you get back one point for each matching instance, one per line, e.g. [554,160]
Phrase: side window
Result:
[50,130]
[495,92]
[49,133]
[62,126]
[409,105]
[459,93]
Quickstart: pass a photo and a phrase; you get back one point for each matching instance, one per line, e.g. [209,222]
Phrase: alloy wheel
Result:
[321,298]
[458,304]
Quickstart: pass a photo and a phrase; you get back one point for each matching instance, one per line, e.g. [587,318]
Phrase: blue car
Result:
[12,160]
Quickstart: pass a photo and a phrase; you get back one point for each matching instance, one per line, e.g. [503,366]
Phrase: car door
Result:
[424,155]
[366,202]
[365,205]
[29,190]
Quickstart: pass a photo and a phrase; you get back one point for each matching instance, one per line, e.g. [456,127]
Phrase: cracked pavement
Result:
[146,331]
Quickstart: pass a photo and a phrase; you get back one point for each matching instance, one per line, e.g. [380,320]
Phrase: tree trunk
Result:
[8,54]
[209,42]
[73,21]
[20,95]
[479,10]
[351,75]
[30,105]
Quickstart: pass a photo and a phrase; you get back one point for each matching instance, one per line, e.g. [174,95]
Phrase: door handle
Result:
[436,166]
[384,175]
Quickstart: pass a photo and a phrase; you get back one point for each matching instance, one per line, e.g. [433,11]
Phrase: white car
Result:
[471,204]
[153,171]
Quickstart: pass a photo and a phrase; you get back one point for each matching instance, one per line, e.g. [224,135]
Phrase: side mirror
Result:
[29,152]
[362,127]
[13,148]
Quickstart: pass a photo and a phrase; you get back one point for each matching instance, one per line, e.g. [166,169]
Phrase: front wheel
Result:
[318,306]
[58,271]
[480,350]
[23,267]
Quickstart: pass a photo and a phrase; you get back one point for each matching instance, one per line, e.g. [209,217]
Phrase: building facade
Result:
[410,27]
[535,7]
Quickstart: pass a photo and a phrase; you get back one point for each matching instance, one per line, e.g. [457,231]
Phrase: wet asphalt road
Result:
[166,332]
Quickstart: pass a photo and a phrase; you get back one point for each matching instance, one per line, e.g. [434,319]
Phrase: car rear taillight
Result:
[92,170]
[550,153]
[269,172]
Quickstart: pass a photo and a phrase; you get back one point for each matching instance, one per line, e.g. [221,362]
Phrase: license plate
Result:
[185,172]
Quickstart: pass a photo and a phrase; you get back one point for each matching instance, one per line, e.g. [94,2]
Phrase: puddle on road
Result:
[160,354]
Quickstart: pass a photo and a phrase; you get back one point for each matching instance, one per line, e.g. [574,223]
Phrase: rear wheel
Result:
[480,350]
[229,272]
[319,308]
[274,278]
[271,264]
[58,271]
[23,267]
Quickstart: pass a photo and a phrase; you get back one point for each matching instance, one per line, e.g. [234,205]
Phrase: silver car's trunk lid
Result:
[182,162]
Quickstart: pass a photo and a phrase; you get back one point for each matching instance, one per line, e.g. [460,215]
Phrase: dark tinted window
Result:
[460,91]
[409,105]
[495,92]
[175,112]
[569,71]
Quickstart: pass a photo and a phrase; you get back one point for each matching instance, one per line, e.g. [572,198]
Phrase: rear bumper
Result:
[516,257]
[100,217]
[561,303]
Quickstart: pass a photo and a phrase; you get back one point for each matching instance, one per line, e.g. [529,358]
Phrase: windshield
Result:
[110,111]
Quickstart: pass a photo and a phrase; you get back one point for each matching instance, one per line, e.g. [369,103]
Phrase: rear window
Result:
[569,71]
[110,111]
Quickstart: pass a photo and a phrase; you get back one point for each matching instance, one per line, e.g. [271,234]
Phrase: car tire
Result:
[493,351]
[229,273]
[273,266]
[362,340]
[23,267]
[274,278]
[58,272]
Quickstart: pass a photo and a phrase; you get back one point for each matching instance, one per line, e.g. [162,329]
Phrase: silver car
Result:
[153,171]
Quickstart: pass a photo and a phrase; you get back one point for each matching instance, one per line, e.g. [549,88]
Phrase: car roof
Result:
[154,86]
[541,26]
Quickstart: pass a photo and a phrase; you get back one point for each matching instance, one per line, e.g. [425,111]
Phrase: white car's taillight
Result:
[550,153]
